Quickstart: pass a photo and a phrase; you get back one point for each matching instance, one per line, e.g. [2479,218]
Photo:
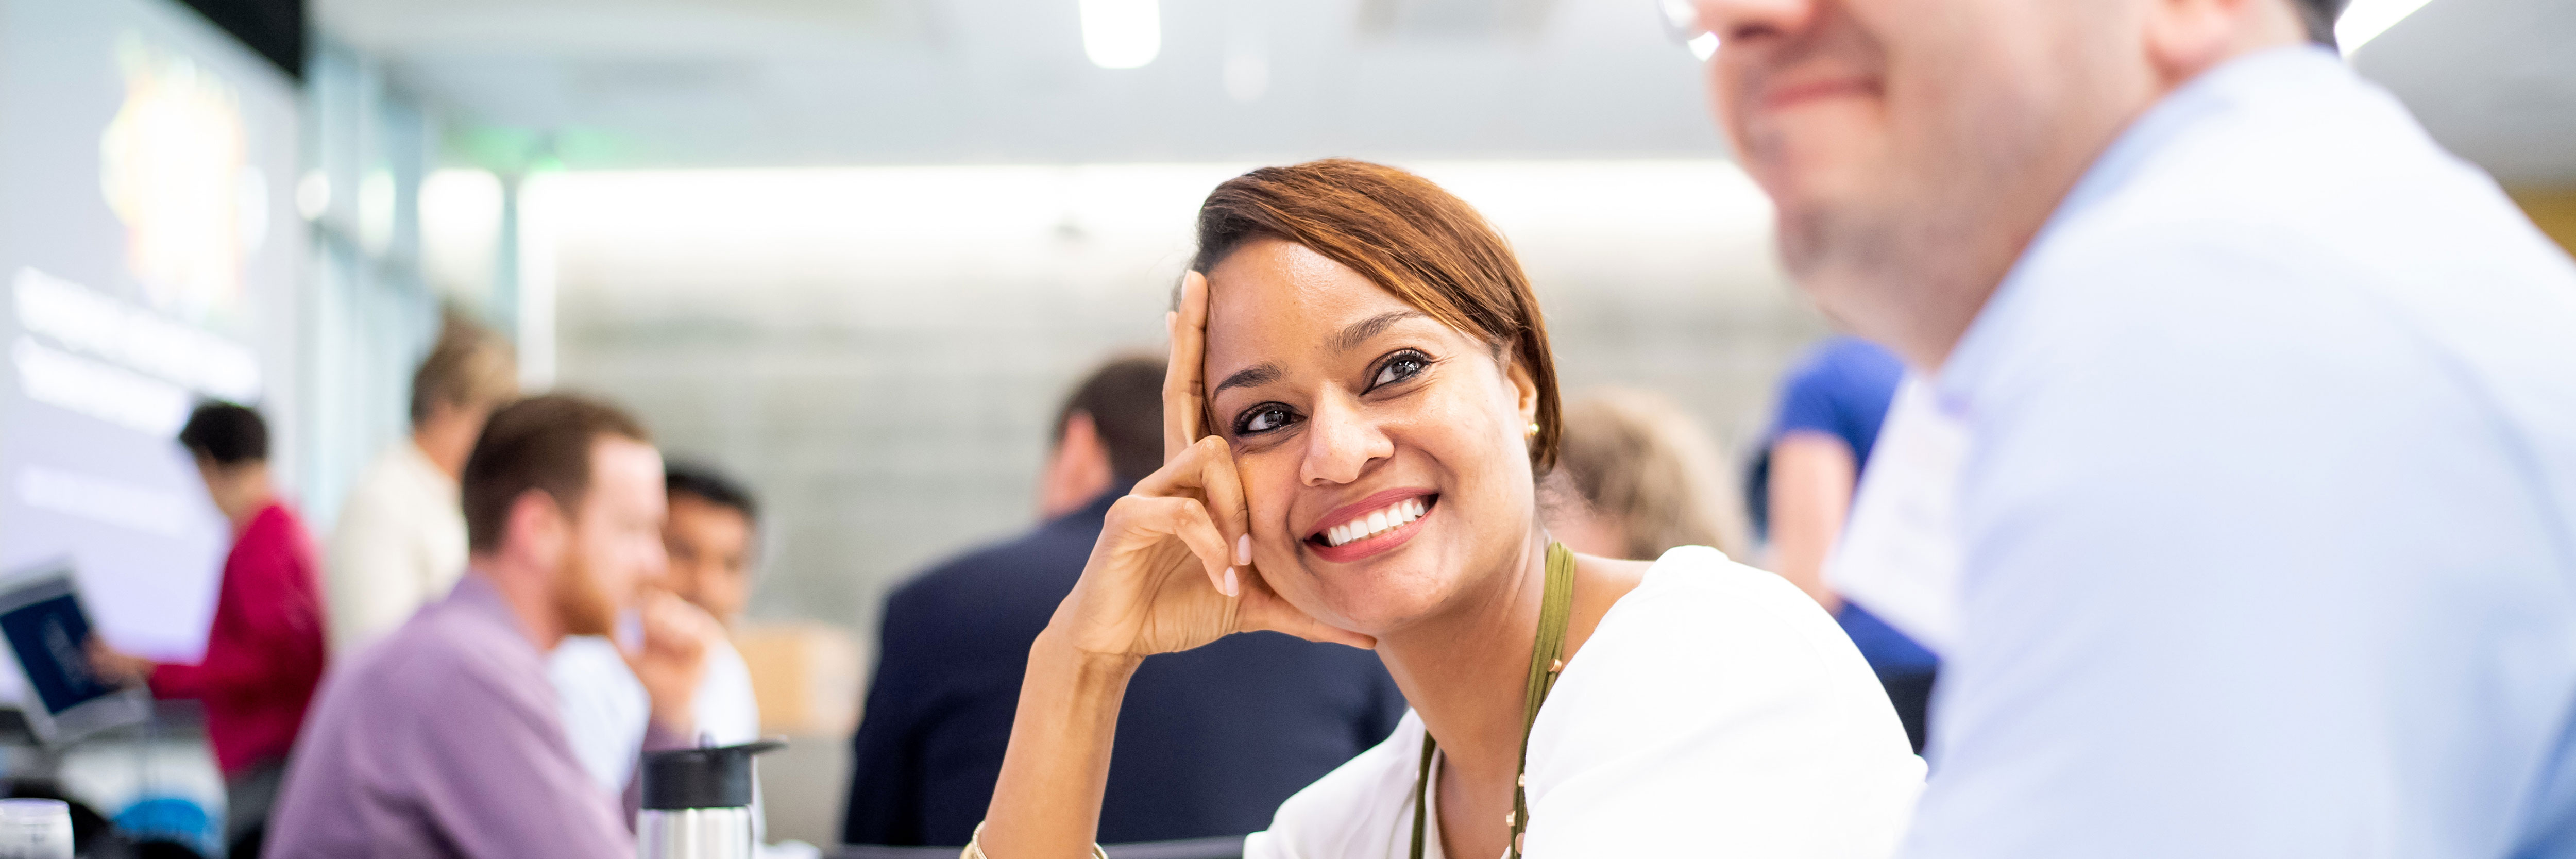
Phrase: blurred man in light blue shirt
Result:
[2270,515]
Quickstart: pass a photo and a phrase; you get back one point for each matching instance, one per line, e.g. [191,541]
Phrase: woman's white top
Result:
[1716,711]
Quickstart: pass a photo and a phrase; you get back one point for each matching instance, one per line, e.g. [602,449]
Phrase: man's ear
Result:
[1079,469]
[212,474]
[2187,37]
[536,526]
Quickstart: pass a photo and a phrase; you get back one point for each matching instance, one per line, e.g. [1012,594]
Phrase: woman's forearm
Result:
[1046,805]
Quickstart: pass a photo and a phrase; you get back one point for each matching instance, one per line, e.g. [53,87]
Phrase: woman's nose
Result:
[1340,443]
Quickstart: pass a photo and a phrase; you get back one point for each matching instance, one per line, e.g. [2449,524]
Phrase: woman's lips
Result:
[1375,501]
[1375,543]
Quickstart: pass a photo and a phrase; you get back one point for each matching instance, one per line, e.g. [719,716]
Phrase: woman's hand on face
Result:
[1184,380]
[1172,570]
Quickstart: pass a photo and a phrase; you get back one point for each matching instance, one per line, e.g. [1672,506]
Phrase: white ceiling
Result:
[675,83]
[774,82]
[2495,80]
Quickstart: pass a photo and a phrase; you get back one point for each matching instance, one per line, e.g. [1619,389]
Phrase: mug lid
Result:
[706,777]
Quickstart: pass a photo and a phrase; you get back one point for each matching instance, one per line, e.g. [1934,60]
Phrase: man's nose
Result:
[1735,20]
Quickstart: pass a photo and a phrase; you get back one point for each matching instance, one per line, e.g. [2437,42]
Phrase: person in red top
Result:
[264,654]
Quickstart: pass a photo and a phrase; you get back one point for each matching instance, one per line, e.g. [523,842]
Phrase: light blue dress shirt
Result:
[2270,515]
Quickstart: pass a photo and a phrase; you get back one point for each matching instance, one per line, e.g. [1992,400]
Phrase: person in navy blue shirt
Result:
[1210,741]
[1831,405]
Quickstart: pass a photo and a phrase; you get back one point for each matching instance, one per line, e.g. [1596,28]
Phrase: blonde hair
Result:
[1634,459]
[468,366]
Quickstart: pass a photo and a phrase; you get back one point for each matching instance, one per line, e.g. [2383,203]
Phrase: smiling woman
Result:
[1364,471]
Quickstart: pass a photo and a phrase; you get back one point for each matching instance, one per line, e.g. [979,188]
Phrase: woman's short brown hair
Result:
[1409,237]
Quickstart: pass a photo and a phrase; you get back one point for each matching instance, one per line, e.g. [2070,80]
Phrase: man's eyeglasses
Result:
[1681,22]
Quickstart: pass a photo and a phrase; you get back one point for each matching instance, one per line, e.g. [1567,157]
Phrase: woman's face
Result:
[1349,411]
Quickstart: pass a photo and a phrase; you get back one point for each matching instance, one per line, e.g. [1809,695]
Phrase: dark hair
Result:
[1410,238]
[1124,398]
[225,434]
[711,486]
[540,443]
[2319,16]
[469,365]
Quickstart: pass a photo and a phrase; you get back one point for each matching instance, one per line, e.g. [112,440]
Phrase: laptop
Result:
[46,628]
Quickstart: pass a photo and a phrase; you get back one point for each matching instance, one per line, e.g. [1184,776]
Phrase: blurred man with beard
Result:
[444,740]
[2268,515]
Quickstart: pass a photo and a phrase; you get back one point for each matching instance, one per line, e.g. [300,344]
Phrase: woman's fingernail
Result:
[1231,588]
[1243,549]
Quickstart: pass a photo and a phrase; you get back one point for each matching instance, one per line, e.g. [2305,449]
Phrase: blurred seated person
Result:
[1211,741]
[1637,478]
[265,652]
[400,542]
[708,536]
[712,538]
[444,738]
[1832,404]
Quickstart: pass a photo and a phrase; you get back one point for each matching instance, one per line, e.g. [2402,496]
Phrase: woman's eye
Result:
[1400,368]
[1263,418]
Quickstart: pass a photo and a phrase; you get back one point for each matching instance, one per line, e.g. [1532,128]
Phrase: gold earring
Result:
[1533,431]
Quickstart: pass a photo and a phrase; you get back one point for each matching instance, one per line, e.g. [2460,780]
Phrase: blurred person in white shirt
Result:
[711,537]
[400,541]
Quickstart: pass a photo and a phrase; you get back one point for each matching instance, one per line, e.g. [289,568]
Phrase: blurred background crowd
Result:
[883,279]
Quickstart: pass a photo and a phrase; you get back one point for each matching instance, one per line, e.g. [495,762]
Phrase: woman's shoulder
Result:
[1703,635]
[1698,593]
[1720,694]
[1706,653]
[1362,808]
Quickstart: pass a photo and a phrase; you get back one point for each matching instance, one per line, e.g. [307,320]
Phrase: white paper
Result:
[1900,551]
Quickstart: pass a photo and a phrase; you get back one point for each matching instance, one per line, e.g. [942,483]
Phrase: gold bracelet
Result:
[975,846]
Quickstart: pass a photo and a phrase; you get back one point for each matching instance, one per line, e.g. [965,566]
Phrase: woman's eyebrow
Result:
[1351,338]
[1360,332]
[1257,374]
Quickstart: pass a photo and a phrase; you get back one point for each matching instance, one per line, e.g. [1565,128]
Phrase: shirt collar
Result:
[2217,91]
[1097,509]
[427,469]
[477,592]
[274,507]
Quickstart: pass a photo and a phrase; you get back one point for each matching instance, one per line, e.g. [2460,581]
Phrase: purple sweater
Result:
[444,741]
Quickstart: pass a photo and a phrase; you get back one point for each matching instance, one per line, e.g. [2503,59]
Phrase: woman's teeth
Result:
[1394,516]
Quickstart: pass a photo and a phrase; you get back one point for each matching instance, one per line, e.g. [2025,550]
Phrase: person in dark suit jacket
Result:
[1210,741]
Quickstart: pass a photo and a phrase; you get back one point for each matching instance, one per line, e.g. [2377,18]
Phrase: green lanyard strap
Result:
[1554,613]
